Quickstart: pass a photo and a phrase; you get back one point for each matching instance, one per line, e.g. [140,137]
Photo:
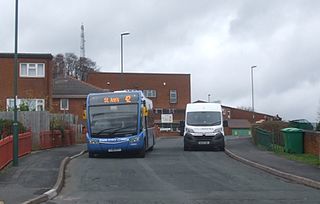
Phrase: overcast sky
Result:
[215,41]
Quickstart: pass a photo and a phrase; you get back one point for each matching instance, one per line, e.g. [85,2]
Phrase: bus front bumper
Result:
[101,146]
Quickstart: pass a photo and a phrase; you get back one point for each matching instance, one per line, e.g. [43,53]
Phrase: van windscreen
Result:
[204,118]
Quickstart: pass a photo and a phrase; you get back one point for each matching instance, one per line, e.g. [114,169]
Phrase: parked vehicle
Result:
[204,127]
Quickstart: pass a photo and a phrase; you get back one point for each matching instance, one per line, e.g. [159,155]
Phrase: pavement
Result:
[244,150]
[36,174]
[41,171]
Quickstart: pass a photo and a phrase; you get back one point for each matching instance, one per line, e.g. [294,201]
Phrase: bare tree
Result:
[245,108]
[59,66]
[86,66]
[71,65]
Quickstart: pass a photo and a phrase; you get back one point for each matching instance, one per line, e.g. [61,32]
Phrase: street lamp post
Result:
[15,93]
[252,95]
[121,57]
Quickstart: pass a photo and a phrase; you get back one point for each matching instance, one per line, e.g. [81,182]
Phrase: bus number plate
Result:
[203,142]
[114,150]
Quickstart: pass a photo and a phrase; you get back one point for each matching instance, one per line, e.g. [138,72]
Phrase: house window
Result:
[32,70]
[158,110]
[150,93]
[64,104]
[26,104]
[173,96]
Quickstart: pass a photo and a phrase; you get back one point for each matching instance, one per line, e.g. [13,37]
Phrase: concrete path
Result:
[36,174]
[244,148]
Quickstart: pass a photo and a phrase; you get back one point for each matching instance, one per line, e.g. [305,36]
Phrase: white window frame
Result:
[39,104]
[158,110]
[30,66]
[150,93]
[173,99]
[62,108]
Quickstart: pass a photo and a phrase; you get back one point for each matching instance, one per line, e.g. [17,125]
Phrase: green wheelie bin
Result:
[293,140]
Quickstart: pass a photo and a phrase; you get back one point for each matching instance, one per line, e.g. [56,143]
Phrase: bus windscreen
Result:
[114,120]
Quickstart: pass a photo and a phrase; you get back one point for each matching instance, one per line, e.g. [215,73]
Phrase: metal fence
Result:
[268,140]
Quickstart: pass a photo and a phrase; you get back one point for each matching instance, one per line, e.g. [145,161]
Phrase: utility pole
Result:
[15,93]
[121,58]
[252,94]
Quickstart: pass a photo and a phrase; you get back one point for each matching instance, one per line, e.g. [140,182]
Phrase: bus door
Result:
[148,125]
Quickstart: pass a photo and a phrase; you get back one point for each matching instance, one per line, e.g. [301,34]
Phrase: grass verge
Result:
[304,158]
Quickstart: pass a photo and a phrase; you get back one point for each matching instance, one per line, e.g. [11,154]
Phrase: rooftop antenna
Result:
[82,44]
[82,53]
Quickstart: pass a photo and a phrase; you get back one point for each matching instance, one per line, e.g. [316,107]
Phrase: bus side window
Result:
[150,118]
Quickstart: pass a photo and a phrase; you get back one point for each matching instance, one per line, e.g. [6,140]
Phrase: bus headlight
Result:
[134,139]
[94,141]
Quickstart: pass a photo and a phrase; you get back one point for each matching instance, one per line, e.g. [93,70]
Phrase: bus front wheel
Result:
[142,152]
[91,155]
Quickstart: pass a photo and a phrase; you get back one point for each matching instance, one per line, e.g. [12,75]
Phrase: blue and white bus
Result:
[120,121]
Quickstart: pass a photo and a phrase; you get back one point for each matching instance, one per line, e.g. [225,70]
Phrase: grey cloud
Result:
[215,41]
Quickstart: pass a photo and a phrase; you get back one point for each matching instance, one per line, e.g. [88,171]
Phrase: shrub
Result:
[58,124]
[24,107]
[271,126]
[6,127]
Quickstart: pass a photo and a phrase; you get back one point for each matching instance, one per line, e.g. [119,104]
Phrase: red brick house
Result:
[34,81]
[239,121]
[69,96]
[169,93]
[236,113]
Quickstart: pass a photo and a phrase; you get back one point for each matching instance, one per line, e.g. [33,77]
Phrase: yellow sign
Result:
[145,111]
[84,116]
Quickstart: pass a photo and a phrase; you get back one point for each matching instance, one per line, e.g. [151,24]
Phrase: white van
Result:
[204,127]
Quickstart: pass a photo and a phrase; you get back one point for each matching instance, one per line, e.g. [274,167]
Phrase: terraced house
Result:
[34,81]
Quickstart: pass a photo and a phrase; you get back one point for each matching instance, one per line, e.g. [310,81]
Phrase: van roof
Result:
[193,107]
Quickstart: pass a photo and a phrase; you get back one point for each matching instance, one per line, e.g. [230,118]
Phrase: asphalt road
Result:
[170,175]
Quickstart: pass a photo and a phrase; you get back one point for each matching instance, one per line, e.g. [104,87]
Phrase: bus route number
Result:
[128,99]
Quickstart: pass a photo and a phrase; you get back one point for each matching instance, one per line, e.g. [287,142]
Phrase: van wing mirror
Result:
[225,123]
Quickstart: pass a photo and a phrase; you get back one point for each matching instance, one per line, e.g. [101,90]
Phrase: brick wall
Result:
[162,83]
[312,142]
